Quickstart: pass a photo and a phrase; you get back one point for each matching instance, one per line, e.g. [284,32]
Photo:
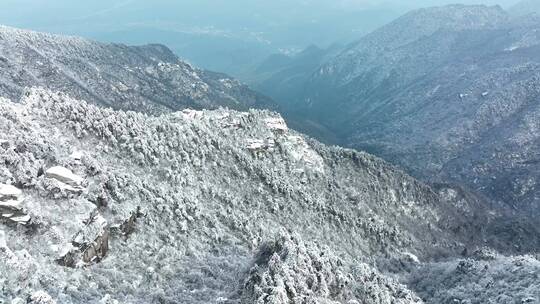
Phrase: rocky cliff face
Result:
[449,93]
[146,78]
[206,207]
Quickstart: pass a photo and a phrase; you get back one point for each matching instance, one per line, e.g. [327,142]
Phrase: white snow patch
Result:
[276,124]
[192,114]
[76,155]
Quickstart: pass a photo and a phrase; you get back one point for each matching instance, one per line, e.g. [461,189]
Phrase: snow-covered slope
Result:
[486,277]
[145,78]
[208,207]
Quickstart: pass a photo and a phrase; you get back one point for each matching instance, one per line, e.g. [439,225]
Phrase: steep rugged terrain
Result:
[146,78]
[107,206]
[449,93]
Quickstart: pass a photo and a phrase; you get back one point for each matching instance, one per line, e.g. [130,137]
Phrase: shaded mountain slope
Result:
[448,93]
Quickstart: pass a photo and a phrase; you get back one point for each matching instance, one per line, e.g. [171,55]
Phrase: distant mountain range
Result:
[146,78]
[449,93]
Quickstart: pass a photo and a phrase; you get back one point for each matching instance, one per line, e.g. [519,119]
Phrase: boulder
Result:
[21,219]
[8,192]
[64,175]
[89,245]
[11,205]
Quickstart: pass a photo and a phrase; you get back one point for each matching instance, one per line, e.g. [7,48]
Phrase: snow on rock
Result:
[276,124]
[300,150]
[11,205]
[192,114]
[64,175]
[260,145]
[409,257]
[89,245]
[9,192]
[21,219]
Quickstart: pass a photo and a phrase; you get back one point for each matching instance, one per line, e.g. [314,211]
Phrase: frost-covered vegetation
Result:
[486,278]
[289,270]
[182,208]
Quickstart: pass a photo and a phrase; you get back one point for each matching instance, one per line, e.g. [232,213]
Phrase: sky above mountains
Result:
[226,15]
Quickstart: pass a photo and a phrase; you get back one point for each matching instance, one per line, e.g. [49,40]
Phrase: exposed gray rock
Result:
[89,245]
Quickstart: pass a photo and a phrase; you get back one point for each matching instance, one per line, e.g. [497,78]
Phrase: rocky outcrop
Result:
[89,245]
[127,226]
[11,209]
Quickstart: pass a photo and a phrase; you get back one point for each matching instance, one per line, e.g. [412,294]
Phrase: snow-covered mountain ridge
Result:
[143,78]
[209,207]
